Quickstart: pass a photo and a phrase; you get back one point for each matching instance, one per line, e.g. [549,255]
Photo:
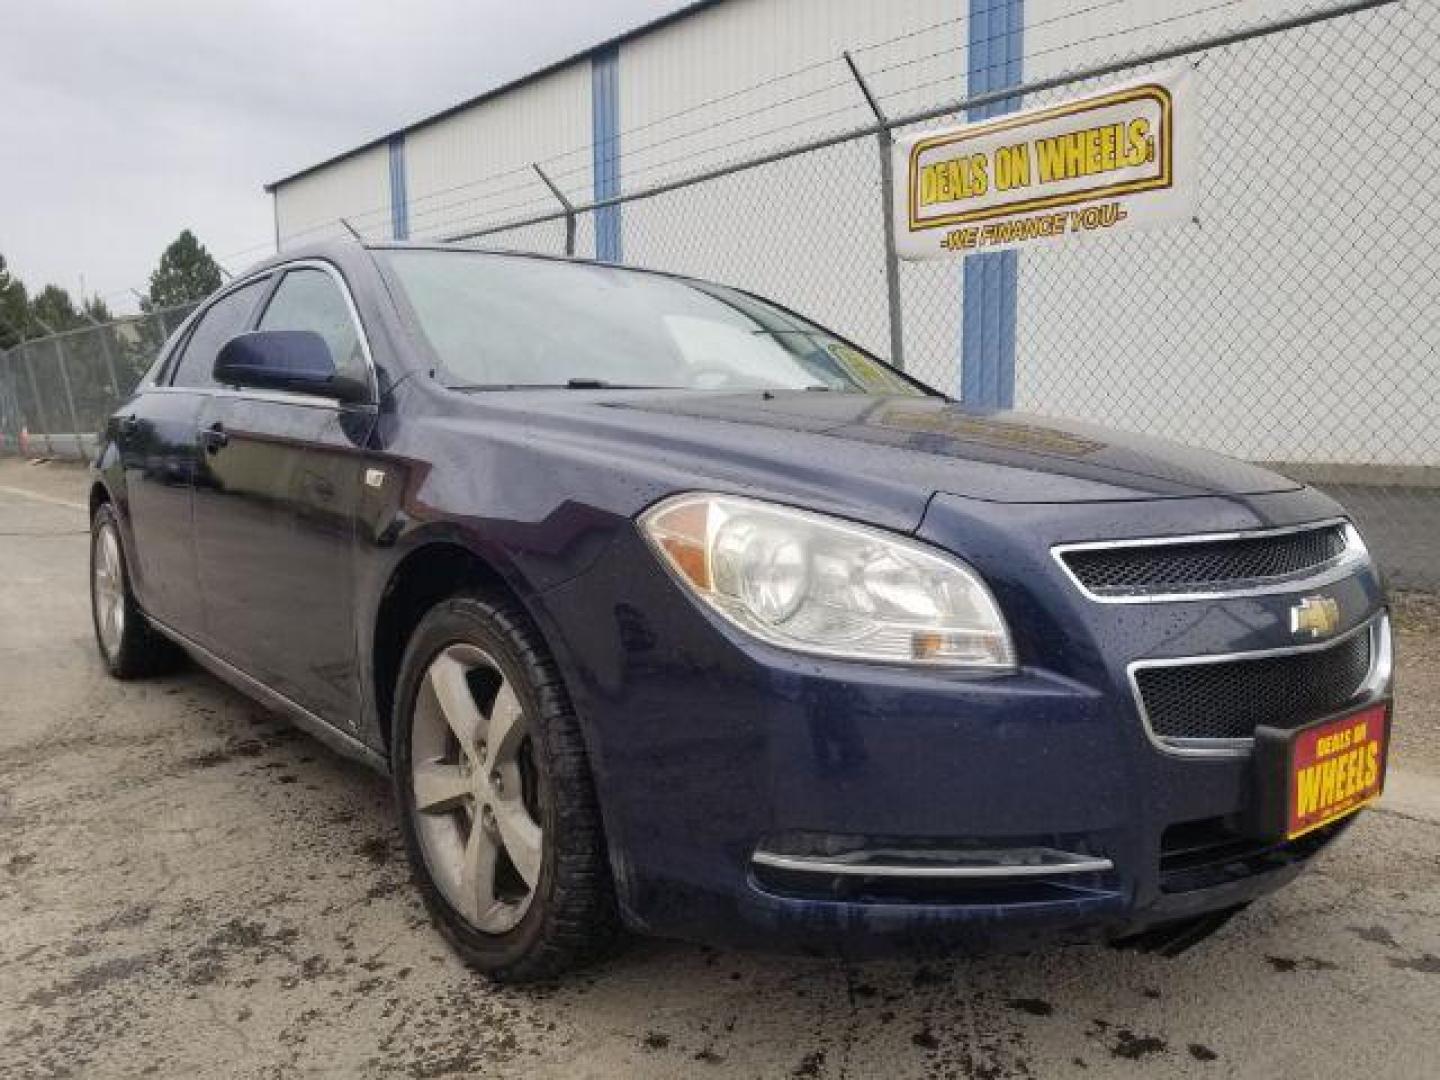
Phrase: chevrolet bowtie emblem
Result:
[1315,617]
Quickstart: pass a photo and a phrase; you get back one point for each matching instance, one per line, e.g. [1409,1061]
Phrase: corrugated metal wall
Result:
[736,79]
[1238,330]
[725,82]
[357,189]
[807,231]
[499,139]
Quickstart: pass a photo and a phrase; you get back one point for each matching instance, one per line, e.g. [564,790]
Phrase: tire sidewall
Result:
[470,620]
[105,518]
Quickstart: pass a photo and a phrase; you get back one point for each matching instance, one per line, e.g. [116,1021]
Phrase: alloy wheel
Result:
[476,789]
[108,589]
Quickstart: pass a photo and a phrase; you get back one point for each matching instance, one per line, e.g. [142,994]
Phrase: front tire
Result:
[495,795]
[130,647]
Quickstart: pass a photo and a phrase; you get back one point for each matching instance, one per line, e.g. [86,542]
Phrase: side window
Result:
[309,299]
[218,325]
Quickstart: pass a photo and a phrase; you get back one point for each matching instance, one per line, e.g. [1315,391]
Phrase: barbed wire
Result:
[414,205]
[423,217]
[634,174]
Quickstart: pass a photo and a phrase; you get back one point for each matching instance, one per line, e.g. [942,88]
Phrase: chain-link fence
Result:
[56,391]
[1292,322]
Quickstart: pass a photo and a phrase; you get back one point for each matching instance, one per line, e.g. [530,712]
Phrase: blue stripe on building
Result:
[987,362]
[399,197]
[605,131]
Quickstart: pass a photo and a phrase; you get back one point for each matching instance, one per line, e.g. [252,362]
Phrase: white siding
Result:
[1284,304]
[357,188]
[807,231]
[1282,326]
[1061,36]
[474,166]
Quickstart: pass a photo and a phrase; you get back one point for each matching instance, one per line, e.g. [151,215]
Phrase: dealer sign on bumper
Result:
[1313,776]
[1090,166]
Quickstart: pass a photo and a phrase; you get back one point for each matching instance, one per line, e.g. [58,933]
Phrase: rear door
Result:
[156,439]
[275,509]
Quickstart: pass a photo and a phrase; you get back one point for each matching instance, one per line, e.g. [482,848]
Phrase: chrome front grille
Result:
[1207,704]
[1228,564]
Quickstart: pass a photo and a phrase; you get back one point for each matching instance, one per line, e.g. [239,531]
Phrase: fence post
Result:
[104,332]
[70,401]
[35,394]
[101,332]
[164,331]
[9,415]
[886,141]
[569,210]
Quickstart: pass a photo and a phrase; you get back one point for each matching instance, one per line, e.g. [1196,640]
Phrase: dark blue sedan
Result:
[668,609]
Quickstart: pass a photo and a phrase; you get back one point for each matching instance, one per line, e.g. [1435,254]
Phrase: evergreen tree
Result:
[52,310]
[14,308]
[186,273]
[97,310]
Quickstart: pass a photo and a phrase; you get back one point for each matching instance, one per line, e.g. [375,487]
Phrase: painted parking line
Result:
[37,497]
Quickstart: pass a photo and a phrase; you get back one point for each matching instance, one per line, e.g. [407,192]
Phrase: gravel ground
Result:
[1417,647]
[189,887]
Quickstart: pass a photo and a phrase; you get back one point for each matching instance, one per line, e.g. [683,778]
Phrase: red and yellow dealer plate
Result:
[1336,768]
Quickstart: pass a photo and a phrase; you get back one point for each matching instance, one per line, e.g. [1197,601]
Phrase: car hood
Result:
[1004,457]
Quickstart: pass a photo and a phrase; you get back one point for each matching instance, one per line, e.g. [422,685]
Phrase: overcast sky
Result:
[124,121]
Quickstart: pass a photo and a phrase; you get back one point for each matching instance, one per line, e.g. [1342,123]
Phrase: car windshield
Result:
[501,321]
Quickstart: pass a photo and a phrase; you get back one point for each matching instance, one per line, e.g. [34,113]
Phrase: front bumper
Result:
[709,748]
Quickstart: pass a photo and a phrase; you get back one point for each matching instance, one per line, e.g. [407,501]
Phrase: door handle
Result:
[214,437]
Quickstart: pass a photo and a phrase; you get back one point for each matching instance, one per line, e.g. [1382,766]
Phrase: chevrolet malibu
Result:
[666,608]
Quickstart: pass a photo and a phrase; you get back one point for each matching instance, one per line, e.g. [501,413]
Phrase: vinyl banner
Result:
[1097,165]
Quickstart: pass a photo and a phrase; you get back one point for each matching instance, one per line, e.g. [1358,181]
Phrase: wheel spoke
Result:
[522,838]
[504,729]
[470,805]
[477,875]
[109,590]
[440,787]
[448,682]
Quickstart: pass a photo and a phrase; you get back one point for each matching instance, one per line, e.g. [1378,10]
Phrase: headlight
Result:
[816,584]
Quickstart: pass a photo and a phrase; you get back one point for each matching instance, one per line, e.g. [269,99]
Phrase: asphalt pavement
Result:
[189,887]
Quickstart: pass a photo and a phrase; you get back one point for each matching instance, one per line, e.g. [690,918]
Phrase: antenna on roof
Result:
[352,230]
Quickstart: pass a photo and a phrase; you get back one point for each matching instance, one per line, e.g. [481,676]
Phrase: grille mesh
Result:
[1229,700]
[1205,565]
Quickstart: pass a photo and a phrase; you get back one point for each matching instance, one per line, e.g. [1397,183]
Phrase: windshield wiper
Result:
[569,384]
[603,384]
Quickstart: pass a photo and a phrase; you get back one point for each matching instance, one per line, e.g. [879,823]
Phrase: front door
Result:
[275,510]
[155,434]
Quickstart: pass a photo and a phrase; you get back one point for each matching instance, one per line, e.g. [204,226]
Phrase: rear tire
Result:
[504,836]
[130,647]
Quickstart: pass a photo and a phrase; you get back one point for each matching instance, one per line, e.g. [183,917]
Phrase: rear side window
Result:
[309,299]
[226,318]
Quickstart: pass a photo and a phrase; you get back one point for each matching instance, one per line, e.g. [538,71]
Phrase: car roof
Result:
[342,249]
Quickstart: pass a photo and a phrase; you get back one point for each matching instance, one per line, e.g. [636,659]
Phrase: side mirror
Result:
[296,360]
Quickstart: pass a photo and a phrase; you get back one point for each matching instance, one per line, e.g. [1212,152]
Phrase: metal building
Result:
[1232,332]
